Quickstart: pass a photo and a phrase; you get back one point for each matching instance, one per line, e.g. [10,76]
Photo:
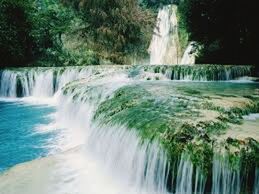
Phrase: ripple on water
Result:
[19,139]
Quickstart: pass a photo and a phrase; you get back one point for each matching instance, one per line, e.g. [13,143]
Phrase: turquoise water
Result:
[20,140]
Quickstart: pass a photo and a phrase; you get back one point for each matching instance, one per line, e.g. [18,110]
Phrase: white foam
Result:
[252,117]
[165,41]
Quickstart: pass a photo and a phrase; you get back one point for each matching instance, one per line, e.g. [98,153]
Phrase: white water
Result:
[251,117]
[110,159]
[184,182]
[99,158]
[45,82]
[164,45]
[8,84]
[225,180]
[189,55]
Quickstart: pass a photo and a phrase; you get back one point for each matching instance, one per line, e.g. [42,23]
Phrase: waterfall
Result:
[186,175]
[136,165]
[195,72]
[189,54]
[8,84]
[225,180]
[44,82]
[141,166]
[165,42]
[38,82]
[165,45]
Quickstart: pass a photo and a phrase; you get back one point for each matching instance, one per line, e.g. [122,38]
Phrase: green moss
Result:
[171,113]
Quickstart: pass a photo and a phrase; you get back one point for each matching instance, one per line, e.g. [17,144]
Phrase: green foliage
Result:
[64,57]
[116,29]
[31,33]
[227,29]
[32,30]
[49,23]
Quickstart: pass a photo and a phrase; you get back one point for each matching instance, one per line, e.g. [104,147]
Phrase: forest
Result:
[79,32]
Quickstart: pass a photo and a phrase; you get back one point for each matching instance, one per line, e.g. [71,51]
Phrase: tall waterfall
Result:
[164,47]
[137,166]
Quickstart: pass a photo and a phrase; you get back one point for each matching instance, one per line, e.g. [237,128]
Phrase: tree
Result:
[116,28]
[29,28]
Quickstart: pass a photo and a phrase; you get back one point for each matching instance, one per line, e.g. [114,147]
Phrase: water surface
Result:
[21,141]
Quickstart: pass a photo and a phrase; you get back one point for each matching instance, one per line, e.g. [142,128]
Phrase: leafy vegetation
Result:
[37,32]
[117,30]
[30,29]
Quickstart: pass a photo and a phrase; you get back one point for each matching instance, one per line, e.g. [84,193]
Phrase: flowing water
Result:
[52,129]
[189,55]
[165,47]
[20,136]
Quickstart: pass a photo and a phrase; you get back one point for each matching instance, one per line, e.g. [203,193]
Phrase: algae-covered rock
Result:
[189,118]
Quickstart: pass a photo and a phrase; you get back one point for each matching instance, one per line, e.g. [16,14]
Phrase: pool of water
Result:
[21,141]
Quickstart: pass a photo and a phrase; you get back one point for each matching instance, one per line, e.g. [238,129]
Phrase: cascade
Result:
[8,84]
[45,82]
[225,180]
[141,166]
[189,54]
[185,176]
[197,72]
[164,46]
